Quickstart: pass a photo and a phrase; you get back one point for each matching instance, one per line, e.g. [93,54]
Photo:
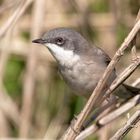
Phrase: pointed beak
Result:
[39,41]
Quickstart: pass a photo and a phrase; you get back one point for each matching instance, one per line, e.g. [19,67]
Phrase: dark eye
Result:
[59,41]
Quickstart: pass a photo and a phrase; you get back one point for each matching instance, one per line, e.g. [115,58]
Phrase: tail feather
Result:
[126,92]
[134,90]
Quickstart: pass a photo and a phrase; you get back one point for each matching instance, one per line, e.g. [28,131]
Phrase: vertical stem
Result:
[29,83]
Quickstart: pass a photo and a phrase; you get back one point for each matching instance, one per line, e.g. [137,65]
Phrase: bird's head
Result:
[65,44]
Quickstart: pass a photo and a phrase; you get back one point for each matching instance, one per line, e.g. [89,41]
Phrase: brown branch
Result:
[122,77]
[116,83]
[74,130]
[29,83]
[137,82]
[109,118]
[4,128]
[24,4]
[9,108]
[100,111]
[127,127]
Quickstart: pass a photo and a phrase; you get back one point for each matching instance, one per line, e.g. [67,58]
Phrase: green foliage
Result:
[25,35]
[93,137]
[12,77]
[79,104]
[99,6]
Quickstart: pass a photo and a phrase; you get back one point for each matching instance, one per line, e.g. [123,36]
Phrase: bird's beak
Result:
[40,41]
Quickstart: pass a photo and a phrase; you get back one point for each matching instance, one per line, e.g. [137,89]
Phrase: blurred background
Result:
[35,103]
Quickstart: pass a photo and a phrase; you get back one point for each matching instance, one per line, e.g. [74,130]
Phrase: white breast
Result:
[63,56]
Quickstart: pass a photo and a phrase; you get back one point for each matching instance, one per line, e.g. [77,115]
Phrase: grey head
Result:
[65,44]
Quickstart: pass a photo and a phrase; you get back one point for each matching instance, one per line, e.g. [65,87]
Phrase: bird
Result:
[81,63]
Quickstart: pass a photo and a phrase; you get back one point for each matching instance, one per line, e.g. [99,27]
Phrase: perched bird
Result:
[80,63]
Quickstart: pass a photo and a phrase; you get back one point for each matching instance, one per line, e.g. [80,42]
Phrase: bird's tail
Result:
[126,92]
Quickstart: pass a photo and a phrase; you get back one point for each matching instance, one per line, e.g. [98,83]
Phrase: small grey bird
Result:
[80,63]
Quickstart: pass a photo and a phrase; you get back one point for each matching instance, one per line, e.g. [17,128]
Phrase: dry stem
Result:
[14,18]
[127,127]
[109,118]
[122,77]
[29,84]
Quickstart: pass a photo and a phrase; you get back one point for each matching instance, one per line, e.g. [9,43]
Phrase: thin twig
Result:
[122,77]
[24,4]
[29,83]
[4,127]
[127,127]
[109,118]
[100,111]
[137,82]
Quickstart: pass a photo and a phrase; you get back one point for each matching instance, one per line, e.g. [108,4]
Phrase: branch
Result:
[116,82]
[122,77]
[127,127]
[24,4]
[29,83]
[137,82]
[100,112]
[109,118]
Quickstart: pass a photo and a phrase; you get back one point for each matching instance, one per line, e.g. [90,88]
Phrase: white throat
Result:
[63,56]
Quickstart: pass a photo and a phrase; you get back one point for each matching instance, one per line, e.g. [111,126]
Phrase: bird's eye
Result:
[59,41]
